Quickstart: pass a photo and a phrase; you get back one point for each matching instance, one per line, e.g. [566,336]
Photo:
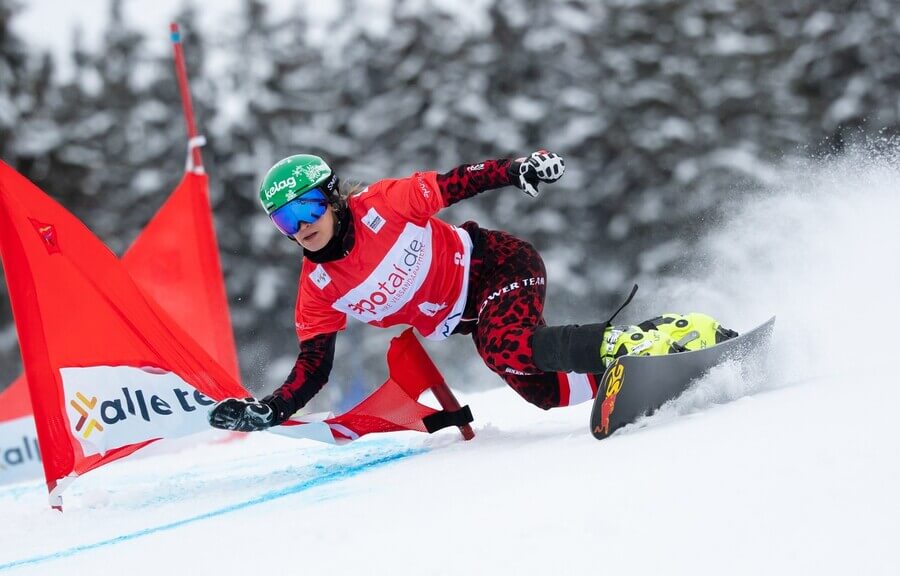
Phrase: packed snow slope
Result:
[785,467]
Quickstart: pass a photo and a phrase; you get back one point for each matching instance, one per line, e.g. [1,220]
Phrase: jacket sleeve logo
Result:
[373,220]
[320,277]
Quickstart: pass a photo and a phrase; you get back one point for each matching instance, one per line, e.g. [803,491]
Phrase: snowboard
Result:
[636,385]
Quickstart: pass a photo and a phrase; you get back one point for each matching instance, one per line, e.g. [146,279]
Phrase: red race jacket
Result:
[406,266]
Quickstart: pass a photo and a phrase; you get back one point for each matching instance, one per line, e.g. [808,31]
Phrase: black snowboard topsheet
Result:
[636,385]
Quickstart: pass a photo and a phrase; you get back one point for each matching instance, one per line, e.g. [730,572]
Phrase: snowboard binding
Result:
[666,334]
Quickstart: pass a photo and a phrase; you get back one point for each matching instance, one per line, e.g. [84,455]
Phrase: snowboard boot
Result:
[634,340]
[666,334]
[693,331]
[591,348]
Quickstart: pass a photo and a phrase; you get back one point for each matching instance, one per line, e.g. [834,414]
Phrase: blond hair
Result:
[348,188]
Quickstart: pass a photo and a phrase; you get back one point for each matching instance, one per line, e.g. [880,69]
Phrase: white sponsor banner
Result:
[114,406]
[396,279]
[20,458]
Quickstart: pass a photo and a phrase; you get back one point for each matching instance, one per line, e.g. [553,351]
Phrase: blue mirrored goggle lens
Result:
[307,208]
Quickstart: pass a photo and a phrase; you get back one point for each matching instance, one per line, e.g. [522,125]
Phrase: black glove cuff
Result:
[512,171]
[281,408]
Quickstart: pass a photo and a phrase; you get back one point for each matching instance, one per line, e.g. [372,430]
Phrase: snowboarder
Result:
[380,254]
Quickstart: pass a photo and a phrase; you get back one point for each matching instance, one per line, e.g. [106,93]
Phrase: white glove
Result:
[541,166]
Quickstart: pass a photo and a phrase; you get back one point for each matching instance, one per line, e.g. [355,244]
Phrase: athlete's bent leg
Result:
[555,365]
[508,288]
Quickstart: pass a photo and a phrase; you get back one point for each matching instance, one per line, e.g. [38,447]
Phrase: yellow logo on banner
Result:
[92,424]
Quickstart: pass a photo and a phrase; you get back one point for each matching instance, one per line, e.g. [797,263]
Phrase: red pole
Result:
[196,160]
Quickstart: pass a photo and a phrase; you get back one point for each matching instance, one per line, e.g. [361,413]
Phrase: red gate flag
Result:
[174,260]
[392,407]
[108,369]
[14,401]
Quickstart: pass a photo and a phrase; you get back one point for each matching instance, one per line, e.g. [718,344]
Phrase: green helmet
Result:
[293,177]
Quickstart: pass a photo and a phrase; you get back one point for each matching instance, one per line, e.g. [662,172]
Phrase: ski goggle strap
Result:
[305,209]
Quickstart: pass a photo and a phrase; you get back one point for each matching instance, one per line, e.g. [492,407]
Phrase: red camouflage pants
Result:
[507,286]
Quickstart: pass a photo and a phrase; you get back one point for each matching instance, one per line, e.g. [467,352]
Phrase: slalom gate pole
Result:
[448,402]
[195,160]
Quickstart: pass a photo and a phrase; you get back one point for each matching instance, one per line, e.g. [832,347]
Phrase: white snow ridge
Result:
[784,467]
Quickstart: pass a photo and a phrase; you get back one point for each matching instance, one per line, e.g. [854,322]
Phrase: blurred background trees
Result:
[663,109]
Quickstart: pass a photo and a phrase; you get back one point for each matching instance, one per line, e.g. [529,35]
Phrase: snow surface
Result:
[792,470]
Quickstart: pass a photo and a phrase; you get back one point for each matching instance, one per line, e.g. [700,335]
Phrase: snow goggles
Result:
[307,208]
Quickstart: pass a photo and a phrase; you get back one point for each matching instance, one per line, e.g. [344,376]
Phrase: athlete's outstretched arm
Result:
[467,180]
[526,173]
[310,373]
